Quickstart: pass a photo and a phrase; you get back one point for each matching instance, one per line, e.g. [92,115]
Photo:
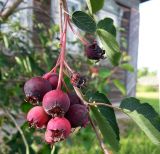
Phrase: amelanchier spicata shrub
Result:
[59,110]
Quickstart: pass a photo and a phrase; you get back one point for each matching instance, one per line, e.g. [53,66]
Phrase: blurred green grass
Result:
[133,140]
[149,94]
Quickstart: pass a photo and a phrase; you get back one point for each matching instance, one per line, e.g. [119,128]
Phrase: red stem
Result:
[84,42]
[65,86]
[68,67]
[62,54]
[54,69]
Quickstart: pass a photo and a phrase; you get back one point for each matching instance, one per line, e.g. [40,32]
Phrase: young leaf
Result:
[120,86]
[107,24]
[84,22]
[127,67]
[107,112]
[95,5]
[108,134]
[145,117]
[110,45]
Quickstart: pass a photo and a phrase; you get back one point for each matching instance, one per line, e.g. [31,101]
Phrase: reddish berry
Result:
[57,129]
[37,117]
[52,78]
[77,80]
[35,89]
[49,137]
[77,115]
[56,103]
[74,99]
[94,52]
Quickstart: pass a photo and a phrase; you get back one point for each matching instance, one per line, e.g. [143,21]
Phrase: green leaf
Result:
[107,24]
[104,73]
[107,112]
[95,5]
[108,134]
[84,21]
[145,117]
[5,39]
[127,67]
[110,45]
[120,86]
[25,107]
[35,67]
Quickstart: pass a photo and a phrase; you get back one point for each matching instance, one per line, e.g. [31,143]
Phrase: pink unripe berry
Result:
[37,117]
[56,103]
[49,137]
[57,129]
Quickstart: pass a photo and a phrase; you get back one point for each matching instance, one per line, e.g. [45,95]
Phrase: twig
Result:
[4,6]
[53,149]
[84,42]
[20,131]
[80,95]
[98,137]
[104,104]
[8,11]
[68,67]
[37,9]
[63,47]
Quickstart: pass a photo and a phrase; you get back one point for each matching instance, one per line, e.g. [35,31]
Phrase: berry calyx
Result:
[77,80]
[77,115]
[56,103]
[74,99]
[57,129]
[94,52]
[52,78]
[37,117]
[35,89]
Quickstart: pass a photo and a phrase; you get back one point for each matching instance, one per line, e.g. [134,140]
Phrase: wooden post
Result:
[131,78]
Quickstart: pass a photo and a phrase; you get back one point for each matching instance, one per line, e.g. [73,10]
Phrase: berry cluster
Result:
[59,113]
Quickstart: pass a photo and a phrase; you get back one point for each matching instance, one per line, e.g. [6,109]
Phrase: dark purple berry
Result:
[35,89]
[74,99]
[94,52]
[52,78]
[77,115]
[56,103]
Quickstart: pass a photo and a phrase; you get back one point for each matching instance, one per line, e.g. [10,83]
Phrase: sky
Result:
[149,36]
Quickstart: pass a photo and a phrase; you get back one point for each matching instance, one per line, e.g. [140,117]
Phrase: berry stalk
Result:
[62,54]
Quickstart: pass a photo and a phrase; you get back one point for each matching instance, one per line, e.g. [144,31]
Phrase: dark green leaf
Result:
[95,5]
[120,86]
[107,112]
[110,45]
[84,21]
[25,107]
[127,67]
[107,24]
[145,116]
[109,135]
